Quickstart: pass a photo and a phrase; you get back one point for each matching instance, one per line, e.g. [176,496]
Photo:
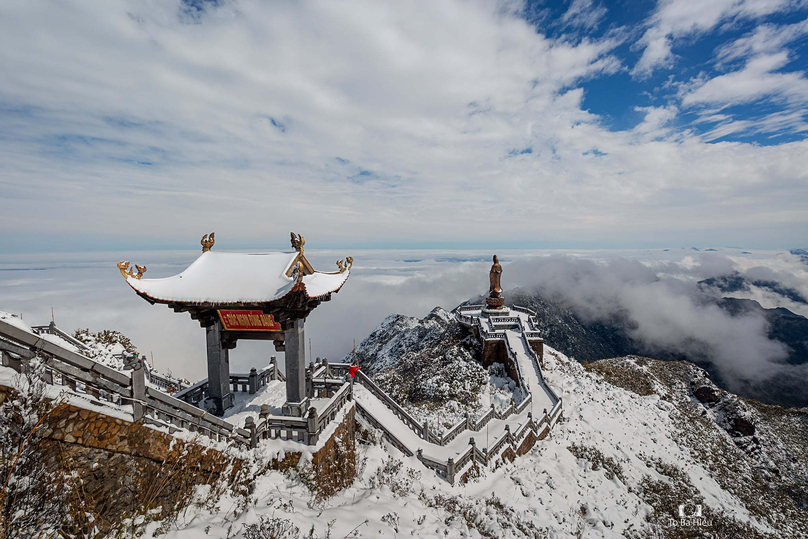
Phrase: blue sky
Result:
[702,44]
[465,124]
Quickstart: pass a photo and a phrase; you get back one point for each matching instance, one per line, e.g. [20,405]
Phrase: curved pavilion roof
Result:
[281,284]
[221,279]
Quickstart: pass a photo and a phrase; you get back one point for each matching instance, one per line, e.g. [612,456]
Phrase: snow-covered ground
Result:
[618,464]
[592,477]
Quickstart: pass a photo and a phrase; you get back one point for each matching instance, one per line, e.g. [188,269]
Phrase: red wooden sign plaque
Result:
[248,321]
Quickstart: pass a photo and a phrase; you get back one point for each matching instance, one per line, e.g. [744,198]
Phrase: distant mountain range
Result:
[802,253]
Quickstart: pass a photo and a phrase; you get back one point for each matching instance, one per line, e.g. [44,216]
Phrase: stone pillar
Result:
[295,359]
[253,381]
[310,382]
[219,396]
[273,362]
[311,428]
[138,390]
[249,424]
[12,362]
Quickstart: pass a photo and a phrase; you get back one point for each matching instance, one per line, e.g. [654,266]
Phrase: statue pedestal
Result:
[495,306]
[295,409]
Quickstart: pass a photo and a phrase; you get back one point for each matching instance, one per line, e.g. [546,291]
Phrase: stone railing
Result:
[164,382]
[300,429]
[422,430]
[51,329]
[149,405]
[505,321]
[452,469]
[252,382]
[484,333]
[388,401]
[103,384]
[239,382]
[194,394]
[367,416]
[524,310]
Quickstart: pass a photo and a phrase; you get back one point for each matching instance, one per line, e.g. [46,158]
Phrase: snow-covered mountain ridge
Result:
[640,437]
[652,461]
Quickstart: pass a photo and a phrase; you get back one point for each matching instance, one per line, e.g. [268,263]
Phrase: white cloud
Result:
[664,307]
[583,14]
[755,81]
[656,290]
[673,19]
[656,122]
[765,39]
[760,80]
[778,123]
[365,122]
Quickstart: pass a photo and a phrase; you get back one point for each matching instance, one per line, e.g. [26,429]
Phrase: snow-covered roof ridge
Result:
[238,278]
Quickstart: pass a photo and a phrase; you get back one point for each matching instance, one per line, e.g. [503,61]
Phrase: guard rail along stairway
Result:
[449,455]
[106,386]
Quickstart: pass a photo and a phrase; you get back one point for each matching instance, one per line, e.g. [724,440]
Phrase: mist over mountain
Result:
[619,332]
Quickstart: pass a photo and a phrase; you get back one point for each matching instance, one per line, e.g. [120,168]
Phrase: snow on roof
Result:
[226,278]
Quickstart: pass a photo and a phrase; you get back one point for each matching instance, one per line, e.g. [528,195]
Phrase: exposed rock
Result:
[742,426]
[707,394]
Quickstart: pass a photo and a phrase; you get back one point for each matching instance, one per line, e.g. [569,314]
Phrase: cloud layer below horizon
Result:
[657,291]
[374,122]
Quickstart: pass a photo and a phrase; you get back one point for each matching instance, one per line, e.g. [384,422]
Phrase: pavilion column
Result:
[295,359]
[219,396]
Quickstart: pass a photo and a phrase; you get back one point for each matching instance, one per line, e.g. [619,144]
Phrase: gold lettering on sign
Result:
[233,320]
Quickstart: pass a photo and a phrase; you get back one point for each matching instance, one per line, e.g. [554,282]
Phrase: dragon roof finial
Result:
[207,242]
[298,242]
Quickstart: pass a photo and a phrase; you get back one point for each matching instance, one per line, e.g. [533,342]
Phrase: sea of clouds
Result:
[657,290]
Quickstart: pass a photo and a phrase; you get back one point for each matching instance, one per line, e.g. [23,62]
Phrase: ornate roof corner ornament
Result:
[207,242]
[343,266]
[126,272]
[298,242]
[297,271]
[300,286]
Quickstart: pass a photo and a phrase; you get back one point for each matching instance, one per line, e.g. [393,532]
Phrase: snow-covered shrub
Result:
[611,467]
[391,519]
[271,528]
[34,494]
[394,476]
[104,343]
[490,517]
[431,367]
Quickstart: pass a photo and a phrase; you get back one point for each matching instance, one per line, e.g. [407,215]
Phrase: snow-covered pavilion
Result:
[265,296]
